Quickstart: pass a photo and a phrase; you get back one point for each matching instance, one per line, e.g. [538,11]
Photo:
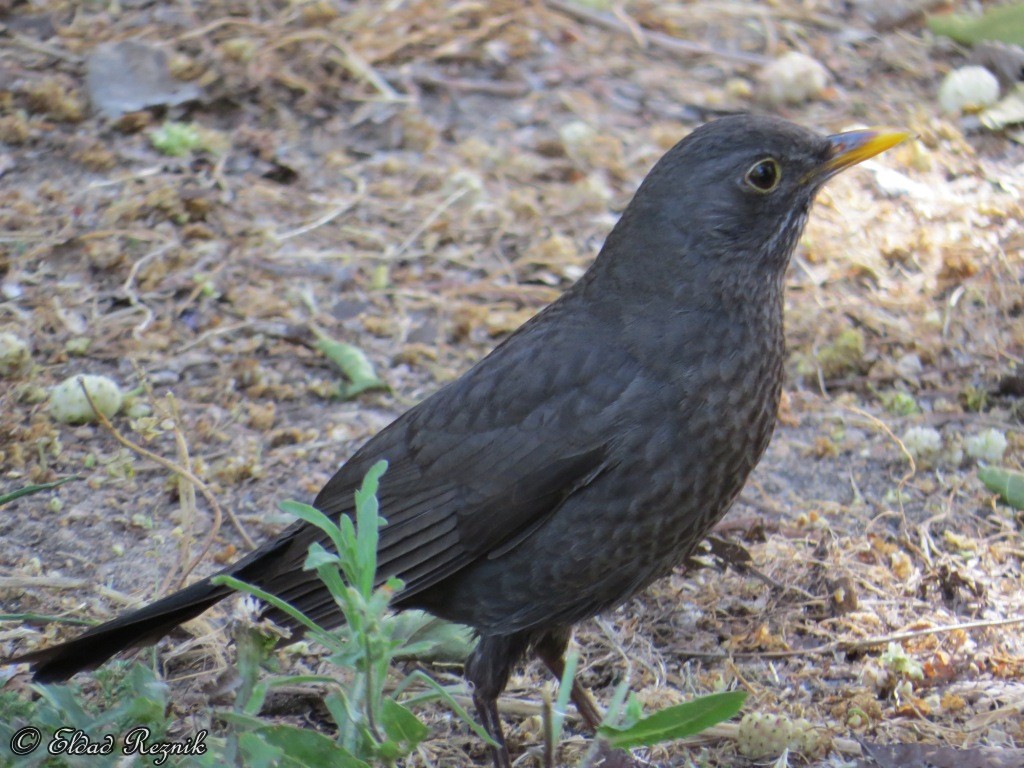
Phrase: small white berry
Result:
[968,89]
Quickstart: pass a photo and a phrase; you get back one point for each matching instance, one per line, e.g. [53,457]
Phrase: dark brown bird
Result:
[590,452]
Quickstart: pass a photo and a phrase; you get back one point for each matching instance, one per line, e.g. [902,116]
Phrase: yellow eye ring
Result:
[764,175]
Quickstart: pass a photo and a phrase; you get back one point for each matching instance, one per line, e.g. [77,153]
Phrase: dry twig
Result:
[668,43]
[180,471]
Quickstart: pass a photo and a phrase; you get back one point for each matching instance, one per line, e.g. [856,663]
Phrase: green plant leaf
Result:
[1007,483]
[438,691]
[676,722]
[402,726]
[143,697]
[63,698]
[313,516]
[45,618]
[615,714]
[561,703]
[175,139]
[28,490]
[354,365]
[240,719]
[258,753]
[302,747]
[1002,24]
[634,710]
[291,680]
[423,637]
[318,557]
[308,748]
[340,707]
[367,525]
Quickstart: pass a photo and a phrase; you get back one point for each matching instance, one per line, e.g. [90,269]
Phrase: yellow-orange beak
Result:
[853,147]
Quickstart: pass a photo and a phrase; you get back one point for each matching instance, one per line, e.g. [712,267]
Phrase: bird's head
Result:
[733,196]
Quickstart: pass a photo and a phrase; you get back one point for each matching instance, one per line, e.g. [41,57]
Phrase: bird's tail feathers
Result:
[150,623]
[138,628]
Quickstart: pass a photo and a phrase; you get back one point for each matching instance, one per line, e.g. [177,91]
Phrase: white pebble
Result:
[909,367]
[968,89]
[989,446]
[792,78]
[15,357]
[922,442]
[69,405]
[576,134]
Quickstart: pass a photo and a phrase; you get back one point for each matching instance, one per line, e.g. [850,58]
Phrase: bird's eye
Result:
[764,175]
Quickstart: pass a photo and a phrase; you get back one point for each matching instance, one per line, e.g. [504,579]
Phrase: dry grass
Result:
[418,178]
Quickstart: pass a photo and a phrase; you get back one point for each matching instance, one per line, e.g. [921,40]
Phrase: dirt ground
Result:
[417,179]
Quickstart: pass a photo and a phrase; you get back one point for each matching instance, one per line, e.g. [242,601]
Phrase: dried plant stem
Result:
[659,39]
[859,645]
[186,496]
[171,466]
[856,645]
[548,758]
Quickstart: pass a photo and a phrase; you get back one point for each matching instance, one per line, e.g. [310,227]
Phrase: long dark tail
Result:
[150,623]
[138,628]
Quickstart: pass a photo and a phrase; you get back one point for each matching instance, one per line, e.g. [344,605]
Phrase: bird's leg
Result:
[487,709]
[487,669]
[551,650]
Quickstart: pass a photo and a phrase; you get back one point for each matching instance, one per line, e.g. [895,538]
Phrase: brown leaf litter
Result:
[417,178]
